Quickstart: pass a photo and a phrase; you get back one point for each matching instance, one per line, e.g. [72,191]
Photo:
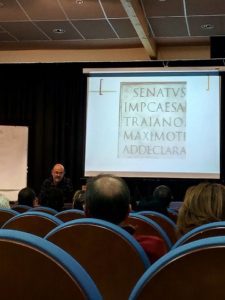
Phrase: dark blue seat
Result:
[70,214]
[45,209]
[193,271]
[146,226]
[34,268]
[6,214]
[203,231]
[35,222]
[165,222]
[113,258]
[21,208]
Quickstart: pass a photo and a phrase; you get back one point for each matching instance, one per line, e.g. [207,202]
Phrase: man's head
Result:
[57,172]
[163,194]
[26,196]
[107,198]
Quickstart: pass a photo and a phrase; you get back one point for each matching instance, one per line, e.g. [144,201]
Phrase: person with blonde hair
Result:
[203,203]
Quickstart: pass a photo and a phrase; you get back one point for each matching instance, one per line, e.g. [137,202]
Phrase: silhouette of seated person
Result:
[27,196]
[53,198]
[203,203]
[159,202]
[108,198]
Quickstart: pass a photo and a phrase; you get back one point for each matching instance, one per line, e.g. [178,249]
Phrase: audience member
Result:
[53,198]
[59,181]
[203,203]
[27,196]
[108,198]
[159,202]
[4,201]
[78,199]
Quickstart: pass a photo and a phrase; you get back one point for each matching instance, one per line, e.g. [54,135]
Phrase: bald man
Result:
[59,181]
[108,198]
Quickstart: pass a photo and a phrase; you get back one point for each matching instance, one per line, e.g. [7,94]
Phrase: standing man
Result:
[59,181]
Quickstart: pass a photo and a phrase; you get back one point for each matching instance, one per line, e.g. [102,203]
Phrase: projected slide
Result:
[153,125]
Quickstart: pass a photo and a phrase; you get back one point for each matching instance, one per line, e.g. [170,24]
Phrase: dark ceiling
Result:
[87,24]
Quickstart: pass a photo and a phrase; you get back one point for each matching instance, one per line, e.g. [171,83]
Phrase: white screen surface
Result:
[164,125]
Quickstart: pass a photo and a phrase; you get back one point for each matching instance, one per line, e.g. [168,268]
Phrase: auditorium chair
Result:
[6,214]
[35,222]
[45,209]
[203,231]
[112,257]
[34,268]
[70,214]
[21,208]
[145,226]
[190,272]
[165,222]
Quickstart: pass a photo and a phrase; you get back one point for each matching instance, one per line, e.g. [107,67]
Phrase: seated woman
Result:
[203,203]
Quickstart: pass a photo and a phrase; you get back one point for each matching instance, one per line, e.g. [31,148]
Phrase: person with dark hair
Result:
[27,196]
[59,181]
[159,202]
[108,198]
[53,198]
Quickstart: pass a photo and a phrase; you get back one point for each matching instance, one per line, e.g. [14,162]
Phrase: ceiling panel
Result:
[102,29]
[113,9]
[105,23]
[42,9]
[59,30]
[11,11]
[205,7]
[163,8]
[169,26]
[124,28]
[201,26]
[87,10]
[23,31]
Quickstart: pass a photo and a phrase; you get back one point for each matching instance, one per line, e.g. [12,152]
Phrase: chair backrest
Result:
[6,214]
[21,208]
[70,214]
[200,232]
[45,209]
[146,226]
[172,214]
[165,222]
[192,271]
[36,269]
[35,222]
[112,257]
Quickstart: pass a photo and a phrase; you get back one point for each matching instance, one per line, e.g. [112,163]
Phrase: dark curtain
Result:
[49,99]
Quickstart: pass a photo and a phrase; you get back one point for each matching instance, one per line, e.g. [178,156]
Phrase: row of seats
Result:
[119,267]
[165,222]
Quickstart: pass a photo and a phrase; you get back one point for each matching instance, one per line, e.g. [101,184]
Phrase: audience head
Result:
[203,203]
[53,198]
[26,196]
[58,173]
[163,194]
[107,198]
[78,199]
[4,201]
